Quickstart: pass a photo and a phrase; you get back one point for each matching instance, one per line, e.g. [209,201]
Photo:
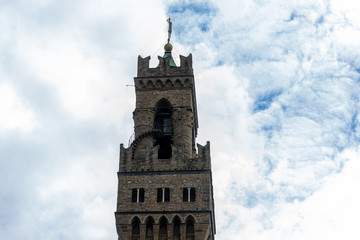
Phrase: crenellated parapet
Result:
[204,155]
[164,68]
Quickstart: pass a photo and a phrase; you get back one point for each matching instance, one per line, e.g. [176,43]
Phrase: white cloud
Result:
[303,89]
[81,82]
[277,93]
[329,213]
[15,113]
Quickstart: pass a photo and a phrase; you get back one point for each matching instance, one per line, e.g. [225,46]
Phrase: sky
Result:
[278,93]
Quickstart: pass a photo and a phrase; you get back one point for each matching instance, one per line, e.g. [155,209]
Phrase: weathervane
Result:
[170,29]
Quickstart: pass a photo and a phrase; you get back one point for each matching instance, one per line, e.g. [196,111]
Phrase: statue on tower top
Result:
[168,47]
[170,29]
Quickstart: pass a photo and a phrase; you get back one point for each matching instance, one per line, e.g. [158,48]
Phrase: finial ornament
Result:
[170,29]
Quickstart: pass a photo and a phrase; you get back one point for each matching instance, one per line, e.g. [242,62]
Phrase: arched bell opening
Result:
[163,123]
[176,228]
[149,232]
[190,231]
[135,235]
[163,235]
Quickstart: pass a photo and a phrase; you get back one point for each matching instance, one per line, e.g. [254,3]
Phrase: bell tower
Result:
[165,187]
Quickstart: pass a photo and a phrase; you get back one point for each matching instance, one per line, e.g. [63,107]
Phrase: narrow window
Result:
[141,195]
[134,195]
[163,230]
[163,195]
[149,234]
[137,195]
[192,194]
[176,230]
[135,229]
[167,195]
[190,233]
[188,194]
[159,195]
[185,194]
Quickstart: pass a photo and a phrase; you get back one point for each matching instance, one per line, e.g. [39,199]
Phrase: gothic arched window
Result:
[135,229]
[163,123]
[176,230]
[190,232]
[149,234]
[163,229]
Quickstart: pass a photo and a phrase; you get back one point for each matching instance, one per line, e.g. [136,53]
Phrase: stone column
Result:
[183,121]
[156,231]
[170,229]
[142,231]
[143,121]
[183,231]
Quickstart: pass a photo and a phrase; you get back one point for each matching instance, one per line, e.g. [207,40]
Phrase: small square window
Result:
[188,194]
[137,195]
[163,195]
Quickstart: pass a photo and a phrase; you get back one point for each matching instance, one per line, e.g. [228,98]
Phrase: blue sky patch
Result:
[197,7]
[292,17]
[270,165]
[190,19]
[353,125]
[294,198]
[263,102]
[251,199]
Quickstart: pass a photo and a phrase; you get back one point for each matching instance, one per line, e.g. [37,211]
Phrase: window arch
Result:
[135,229]
[190,232]
[163,235]
[149,233]
[176,228]
[163,123]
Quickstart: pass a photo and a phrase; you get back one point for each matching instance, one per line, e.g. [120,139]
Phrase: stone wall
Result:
[175,180]
[202,224]
[150,162]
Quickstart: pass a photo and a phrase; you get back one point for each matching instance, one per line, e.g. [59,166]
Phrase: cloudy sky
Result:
[278,92]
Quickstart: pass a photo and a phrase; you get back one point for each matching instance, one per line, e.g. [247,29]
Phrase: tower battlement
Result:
[164,68]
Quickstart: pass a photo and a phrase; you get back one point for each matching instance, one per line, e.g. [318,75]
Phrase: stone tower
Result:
[165,187]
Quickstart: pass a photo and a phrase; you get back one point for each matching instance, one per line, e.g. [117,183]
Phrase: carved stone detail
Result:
[159,83]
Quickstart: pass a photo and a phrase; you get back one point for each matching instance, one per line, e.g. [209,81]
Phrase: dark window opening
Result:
[163,123]
[135,229]
[188,194]
[176,230]
[190,233]
[149,234]
[164,143]
[137,195]
[163,230]
[192,194]
[163,195]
